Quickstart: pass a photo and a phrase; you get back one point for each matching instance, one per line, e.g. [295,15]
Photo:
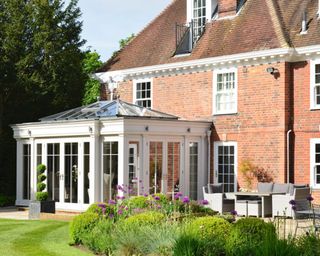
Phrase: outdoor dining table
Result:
[266,200]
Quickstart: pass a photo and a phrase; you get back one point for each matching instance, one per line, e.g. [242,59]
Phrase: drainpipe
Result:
[209,154]
[288,155]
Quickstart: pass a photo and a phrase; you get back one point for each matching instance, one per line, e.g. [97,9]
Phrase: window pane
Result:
[317,68]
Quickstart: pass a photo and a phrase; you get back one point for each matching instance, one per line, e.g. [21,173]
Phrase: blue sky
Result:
[105,22]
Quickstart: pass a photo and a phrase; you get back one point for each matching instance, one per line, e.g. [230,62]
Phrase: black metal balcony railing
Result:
[187,36]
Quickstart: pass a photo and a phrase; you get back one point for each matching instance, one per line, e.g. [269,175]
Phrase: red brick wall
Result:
[227,7]
[305,122]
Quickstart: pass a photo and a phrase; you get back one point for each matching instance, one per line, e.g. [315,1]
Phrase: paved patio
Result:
[23,214]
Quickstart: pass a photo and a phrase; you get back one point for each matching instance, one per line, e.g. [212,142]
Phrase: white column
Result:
[19,172]
[145,165]
[140,167]
[80,173]
[184,164]
[62,172]
[164,180]
[95,174]
[203,165]
[33,170]
[122,160]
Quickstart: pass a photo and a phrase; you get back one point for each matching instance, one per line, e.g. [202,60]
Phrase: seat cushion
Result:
[264,187]
[281,188]
[214,188]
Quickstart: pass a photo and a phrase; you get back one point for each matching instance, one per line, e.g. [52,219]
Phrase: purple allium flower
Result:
[179,194]
[120,212]
[112,202]
[309,198]
[111,216]
[186,200]
[204,202]
[294,207]
[159,206]
[292,202]
[126,208]
[145,195]
[157,198]
[120,197]
[234,212]
[102,205]
[122,206]
[120,188]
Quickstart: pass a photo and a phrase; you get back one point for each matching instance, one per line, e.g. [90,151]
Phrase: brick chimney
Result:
[227,8]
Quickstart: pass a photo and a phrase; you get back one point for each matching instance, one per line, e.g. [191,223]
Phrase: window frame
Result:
[313,105]
[135,83]
[214,86]
[313,164]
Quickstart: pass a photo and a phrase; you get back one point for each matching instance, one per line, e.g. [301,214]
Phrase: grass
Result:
[36,238]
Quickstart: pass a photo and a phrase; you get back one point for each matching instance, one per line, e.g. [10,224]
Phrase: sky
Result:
[105,22]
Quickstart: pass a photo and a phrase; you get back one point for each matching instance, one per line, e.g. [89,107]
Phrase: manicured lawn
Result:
[36,238]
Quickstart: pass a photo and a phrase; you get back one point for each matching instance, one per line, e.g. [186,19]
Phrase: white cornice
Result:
[242,59]
[245,59]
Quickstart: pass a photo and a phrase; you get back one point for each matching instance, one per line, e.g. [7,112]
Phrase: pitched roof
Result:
[261,25]
[107,109]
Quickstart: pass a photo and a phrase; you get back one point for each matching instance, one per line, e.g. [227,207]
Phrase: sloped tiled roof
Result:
[107,109]
[261,25]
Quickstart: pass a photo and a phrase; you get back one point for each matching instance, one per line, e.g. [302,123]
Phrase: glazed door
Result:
[155,167]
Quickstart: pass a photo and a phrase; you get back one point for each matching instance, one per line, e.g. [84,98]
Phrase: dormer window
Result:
[199,18]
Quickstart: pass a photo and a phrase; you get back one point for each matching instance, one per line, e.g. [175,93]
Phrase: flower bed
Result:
[155,225]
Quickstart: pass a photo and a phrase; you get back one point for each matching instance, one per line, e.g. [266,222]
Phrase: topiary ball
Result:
[42,196]
[41,168]
[41,178]
[41,187]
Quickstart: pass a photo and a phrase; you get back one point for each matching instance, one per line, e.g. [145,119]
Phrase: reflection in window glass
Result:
[86,170]
[193,162]
[110,170]
[26,171]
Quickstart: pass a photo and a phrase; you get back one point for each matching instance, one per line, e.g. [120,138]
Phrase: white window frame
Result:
[313,142]
[313,105]
[216,160]
[135,82]
[215,80]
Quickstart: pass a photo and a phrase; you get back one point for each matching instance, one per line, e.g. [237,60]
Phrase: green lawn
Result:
[43,238]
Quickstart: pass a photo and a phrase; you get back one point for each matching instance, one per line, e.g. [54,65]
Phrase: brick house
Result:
[249,67]
[206,86]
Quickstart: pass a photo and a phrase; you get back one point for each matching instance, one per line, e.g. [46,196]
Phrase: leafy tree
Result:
[40,67]
[91,63]
[125,41]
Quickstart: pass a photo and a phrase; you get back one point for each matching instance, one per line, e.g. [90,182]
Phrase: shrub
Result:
[40,195]
[246,235]
[81,225]
[144,218]
[187,245]
[308,245]
[99,239]
[138,202]
[101,209]
[145,239]
[209,227]
[212,233]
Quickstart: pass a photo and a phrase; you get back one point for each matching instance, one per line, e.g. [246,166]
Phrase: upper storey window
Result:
[142,93]
[225,91]
[199,18]
[315,85]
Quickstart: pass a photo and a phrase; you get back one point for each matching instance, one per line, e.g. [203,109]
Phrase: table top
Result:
[309,212]
[252,194]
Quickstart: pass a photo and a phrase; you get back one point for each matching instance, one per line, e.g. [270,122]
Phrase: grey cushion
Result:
[293,186]
[265,187]
[280,188]
[291,189]
[214,188]
[254,202]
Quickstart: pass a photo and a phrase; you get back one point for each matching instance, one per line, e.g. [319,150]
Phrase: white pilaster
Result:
[33,170]
[19,172]
[95,183]
[80,173]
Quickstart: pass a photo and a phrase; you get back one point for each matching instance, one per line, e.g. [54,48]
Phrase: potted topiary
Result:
[41,204]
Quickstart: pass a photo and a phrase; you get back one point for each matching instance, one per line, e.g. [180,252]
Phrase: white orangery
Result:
[91,150]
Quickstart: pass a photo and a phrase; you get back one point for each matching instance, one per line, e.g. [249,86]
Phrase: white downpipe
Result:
[209,154]
[288,155]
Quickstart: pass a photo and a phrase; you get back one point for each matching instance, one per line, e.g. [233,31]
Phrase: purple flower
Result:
[186,200]
[157,198]
[204,202]
[159,206]
[111,216]
[120,212]
[112,202]
[294,207]
[309,198]
[292,202]
[145,195]
[179,194]
[120,188]
[122,206]
[126,208]
[234,212]
[120,197]
[102,205]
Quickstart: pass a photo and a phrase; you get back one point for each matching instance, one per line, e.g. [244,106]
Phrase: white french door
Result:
[133,169]
[225,165]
